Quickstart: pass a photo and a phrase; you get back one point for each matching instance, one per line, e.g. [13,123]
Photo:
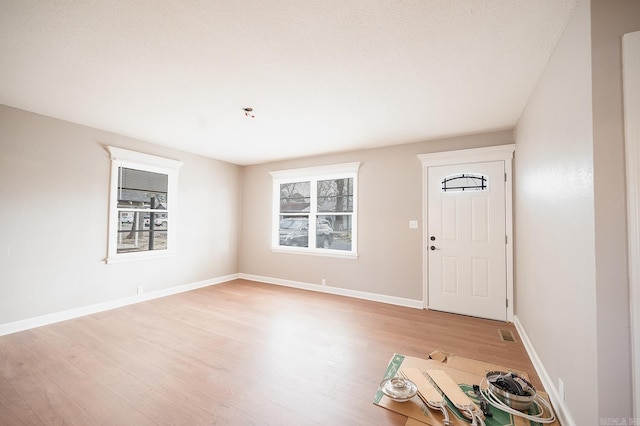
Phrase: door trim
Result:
[631,91]
[464,156]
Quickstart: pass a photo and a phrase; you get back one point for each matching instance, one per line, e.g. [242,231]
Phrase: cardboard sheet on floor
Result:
[465,371]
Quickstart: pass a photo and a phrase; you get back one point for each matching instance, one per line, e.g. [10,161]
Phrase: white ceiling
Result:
[322,76]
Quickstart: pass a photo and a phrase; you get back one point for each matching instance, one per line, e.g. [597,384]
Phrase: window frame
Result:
[314,175]
[124,158]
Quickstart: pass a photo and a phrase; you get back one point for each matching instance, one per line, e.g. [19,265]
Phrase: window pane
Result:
[125,219]
[136,234]
[333,232]
[294,231]
[464,182]
[295,197]
[159,220]
[139,189]
[335,195]
[141,240]
[141,220]
[130,221]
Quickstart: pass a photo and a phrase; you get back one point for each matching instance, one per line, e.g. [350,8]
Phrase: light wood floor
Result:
[239,353]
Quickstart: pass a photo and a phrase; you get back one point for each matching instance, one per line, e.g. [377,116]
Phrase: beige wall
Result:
[390,194]
[54,187]
[554,220]
[571,269]
[609,21]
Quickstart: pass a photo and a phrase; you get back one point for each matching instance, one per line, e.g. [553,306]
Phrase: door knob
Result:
[433,248]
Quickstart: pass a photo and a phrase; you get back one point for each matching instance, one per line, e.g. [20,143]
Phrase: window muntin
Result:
[465,182]
[316,210]
[142,212]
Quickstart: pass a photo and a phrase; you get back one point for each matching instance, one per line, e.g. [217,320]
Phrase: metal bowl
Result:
[399,389]
[521,400]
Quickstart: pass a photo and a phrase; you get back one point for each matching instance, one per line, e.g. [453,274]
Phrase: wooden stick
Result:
[427,392]
[425,388]
[453,391]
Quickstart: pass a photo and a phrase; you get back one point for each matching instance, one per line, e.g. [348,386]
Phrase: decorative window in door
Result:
[465,182]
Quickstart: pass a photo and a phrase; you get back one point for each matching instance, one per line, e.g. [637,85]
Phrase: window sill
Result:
[134,257]
[311,252]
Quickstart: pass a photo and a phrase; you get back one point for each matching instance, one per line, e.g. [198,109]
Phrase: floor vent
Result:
[506,335]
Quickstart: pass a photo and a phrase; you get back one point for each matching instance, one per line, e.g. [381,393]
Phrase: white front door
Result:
[466,239]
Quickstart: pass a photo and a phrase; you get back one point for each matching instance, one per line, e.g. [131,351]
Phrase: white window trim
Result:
[314,174]
[137,160]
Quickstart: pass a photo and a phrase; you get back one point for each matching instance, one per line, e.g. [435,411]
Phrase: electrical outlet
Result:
[324,282]
[413,224]
[561,391]
[140,289]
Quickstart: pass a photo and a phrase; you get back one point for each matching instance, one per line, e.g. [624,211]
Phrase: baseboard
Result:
[26,324]
[561,409]
[392,300]
[39,321]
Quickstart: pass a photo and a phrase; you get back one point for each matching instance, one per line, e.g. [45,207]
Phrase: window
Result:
[142,205]
[315,210]
[464,182]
